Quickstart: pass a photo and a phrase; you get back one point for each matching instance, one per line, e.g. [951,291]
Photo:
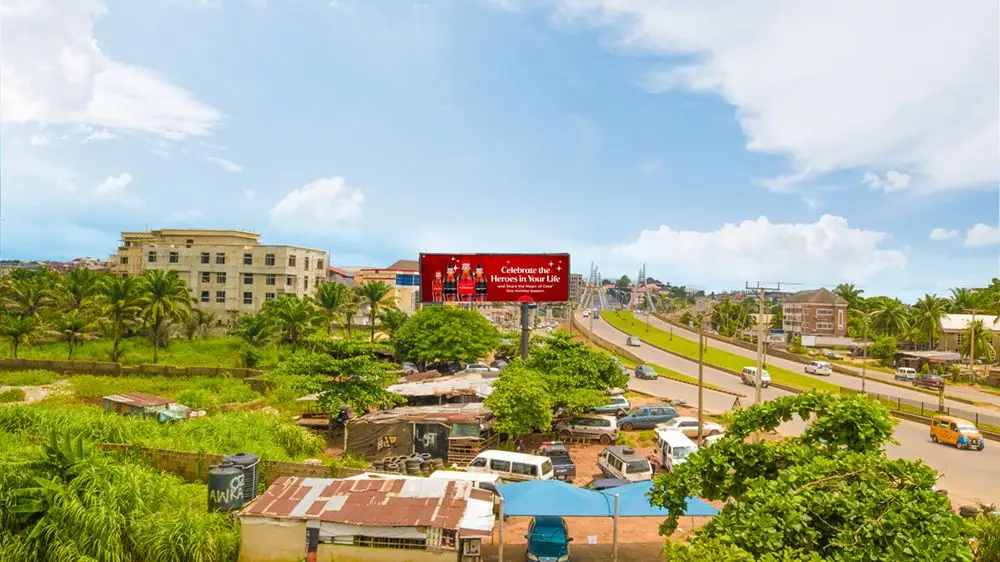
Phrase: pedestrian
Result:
[520,445]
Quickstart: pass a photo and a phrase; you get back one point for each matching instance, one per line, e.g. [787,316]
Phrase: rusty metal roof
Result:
[138,399]
[415,502]
[447,413]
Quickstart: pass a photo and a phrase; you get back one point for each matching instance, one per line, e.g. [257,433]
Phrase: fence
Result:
[930,409]
[108,368]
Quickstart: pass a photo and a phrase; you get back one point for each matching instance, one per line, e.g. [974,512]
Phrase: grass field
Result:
[626,322]
[32,377]
[217,351]
[196,392]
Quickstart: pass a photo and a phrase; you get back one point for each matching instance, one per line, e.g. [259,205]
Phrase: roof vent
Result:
[628,450]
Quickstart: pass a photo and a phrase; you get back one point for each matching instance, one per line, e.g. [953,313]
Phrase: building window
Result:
[305,281]
[268,259]
[291,261]
[204,296]
[151,257]
[247,297]
[124,260]
[840,319]
[248,278]
[220,277]
[407,279]
[220,296]
[204,257]
[270,279]
[269,296]
[305,262]
[824,311]
[290,281]
[388,542]
[319,264]
[247,259]
[189,243]
[174,257]
[220,258]
[206,277]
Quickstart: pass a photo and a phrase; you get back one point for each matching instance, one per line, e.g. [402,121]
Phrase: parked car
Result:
[711,439]
[819,368]
[586,313]
[957,432]
[617,406]
[645,372]
[548,540]
[562,464]
[647,417]
[621,366]
[672,448]
[481,368]
[633,341]
[606,484]
[602,428]
[833,355]
[624,463]
[689,426]
[905,374]
[934,382]
[749,376]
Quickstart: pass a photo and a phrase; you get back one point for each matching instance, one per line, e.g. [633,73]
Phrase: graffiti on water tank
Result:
[230,495]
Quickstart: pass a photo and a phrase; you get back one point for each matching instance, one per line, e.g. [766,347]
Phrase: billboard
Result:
[494,277]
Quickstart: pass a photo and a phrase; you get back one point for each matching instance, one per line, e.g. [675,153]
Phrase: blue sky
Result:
[718,142]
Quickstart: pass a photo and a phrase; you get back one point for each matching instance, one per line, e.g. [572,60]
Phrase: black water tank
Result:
[225,487]
[250,465]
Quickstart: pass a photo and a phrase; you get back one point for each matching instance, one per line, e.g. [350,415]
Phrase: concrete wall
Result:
[286,543]
[116,369]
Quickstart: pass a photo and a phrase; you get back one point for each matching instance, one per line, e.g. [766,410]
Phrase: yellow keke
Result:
[957,432]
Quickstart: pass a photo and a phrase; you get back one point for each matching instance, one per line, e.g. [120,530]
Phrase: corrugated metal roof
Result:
[412,502]
[470,383]
[449,413]
[138,399]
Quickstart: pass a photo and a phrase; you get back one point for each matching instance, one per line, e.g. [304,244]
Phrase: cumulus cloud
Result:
[322,206]
[55,73]
[891,181]
[833,86]
[821,252]
[943,233]
[982,234]
[225,164]
[113,186]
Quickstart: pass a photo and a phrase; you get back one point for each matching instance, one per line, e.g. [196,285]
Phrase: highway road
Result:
[967,475]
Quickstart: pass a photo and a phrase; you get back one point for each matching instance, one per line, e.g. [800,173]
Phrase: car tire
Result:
[934,439]
[565,435]
[713,432]
[627,426]
[605,440]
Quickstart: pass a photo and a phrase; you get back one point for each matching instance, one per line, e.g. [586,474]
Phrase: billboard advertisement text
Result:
[494,277]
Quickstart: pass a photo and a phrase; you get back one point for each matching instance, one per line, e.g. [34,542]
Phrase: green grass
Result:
[11,395]
[671,374]
[626,322]
[196,392]
[33,377]
[219,351]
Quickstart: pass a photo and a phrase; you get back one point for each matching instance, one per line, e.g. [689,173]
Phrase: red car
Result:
[934,382]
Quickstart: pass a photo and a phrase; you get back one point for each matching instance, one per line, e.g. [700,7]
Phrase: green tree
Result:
[163,298]
[349,310]
[520,402]
[293,315]
[777,317]
[849,293]
[576,376]
[374,295]
[914,335]
[829,494]
[30,296]
[72,327]
[623,283]
[884,349]
[118,298]
[358,382]
[446,333]
[391,320]
[963,299]
[889,317]
[927,313]
[19,329]
[976,338]
[331,298]
[256,330]
[199,323]
[79,288]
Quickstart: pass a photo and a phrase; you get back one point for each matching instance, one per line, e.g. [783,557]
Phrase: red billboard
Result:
[494,277]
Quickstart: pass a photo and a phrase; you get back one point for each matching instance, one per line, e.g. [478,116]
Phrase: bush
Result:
[250,356]
[884,349]
[12,395]
[33,377]
[196,392]
[925,368]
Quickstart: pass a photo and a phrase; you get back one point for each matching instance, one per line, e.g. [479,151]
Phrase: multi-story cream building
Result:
[227,271]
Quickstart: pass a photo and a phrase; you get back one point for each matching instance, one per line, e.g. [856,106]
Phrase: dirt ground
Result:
[39,393]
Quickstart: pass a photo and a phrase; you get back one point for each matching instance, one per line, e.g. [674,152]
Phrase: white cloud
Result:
[322,206]
[943,233]
[100,135]
[834,85]
[890,182]
[40,139]
[249,194]
[822,252]
[113,186]
[982,235]
[55,73]
[225,164]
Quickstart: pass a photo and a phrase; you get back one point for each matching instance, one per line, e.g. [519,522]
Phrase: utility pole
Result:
[760,292]
[701,379]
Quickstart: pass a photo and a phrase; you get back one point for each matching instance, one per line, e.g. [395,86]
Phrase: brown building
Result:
[814,313]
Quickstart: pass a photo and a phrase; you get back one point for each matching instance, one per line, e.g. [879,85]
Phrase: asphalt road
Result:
[967,475]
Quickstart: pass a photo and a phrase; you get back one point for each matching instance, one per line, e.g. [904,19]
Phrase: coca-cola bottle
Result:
[450,285]
[466,285]
[437,288]
[480,284]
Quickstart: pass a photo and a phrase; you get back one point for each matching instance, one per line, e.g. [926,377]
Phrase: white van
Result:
[633,341]
[749,377]
[512,467]
[672,448]
[906,374]
[480,480]
[623,463]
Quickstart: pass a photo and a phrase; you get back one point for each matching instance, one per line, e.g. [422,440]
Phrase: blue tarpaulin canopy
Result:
[555,498]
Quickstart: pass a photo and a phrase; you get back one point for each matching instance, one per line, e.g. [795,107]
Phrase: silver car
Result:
[601,428]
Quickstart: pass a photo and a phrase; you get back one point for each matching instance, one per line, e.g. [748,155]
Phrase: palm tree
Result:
[199,323]
[164,298]
[849,293]
[293,315]
[78,288]
[979,340]
[331,297]
[375,294]
[890,317]
[391,320]
[118,298]
[29,297]
[255,329]
[927,314]
[18,329]
[350,309]
[72,327]
[914,335]
[963,299]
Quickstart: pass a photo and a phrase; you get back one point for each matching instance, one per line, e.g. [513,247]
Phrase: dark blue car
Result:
[548,540]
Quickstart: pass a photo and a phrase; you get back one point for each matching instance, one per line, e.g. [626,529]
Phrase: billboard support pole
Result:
[525,330]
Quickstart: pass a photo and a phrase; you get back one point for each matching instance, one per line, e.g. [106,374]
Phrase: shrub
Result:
[884,349]
[925,368]
[12,395]
[33,377]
